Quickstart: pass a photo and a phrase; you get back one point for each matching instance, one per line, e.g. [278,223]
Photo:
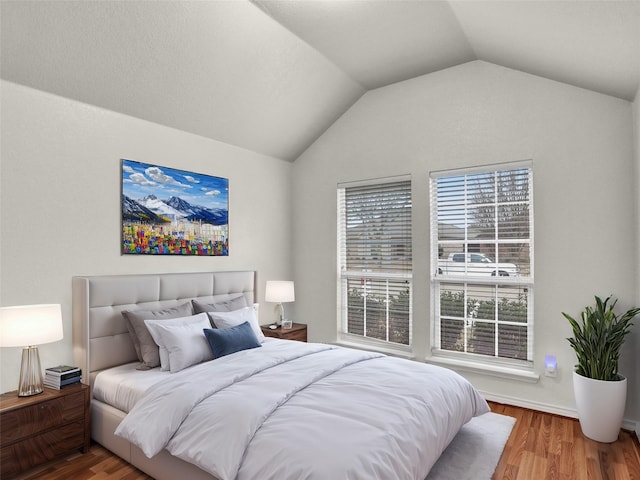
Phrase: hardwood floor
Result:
[541,446]
[98,464]
[545,446]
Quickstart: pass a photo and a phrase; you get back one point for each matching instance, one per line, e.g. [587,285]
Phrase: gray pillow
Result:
[223,306]
[146,348]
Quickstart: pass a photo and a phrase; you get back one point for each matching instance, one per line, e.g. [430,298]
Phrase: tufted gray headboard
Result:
[100,336]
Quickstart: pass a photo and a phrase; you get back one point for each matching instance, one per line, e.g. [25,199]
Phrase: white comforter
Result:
[292,410]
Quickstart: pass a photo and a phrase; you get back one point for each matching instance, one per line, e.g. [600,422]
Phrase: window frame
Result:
[344,275]
[475,362]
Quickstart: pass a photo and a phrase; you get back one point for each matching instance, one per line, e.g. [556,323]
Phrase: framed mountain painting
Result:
[166,211]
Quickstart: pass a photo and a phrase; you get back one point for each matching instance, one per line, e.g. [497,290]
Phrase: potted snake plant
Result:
[600,390]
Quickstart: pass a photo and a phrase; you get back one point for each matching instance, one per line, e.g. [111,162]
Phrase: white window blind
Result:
[374,256]
[482,261]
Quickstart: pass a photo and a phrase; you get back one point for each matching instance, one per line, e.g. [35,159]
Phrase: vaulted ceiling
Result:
[272,75]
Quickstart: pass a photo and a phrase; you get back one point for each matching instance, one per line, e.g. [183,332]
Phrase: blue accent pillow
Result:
[224,341]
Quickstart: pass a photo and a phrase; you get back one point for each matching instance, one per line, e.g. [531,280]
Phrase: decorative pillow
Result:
[152,326]
[235,318]
[185,341]
[224,341]
[223,306]
[146,348]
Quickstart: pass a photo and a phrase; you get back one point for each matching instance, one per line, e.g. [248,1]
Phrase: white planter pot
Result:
[600,407]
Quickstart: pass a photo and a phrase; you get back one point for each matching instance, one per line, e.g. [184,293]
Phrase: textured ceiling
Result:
[377,42]
[271,76]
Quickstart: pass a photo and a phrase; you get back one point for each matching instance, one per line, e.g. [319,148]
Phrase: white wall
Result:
[478,113]
[636,130]
[635,338]
[60,204]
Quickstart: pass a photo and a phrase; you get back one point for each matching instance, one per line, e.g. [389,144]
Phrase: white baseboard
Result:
[627,424]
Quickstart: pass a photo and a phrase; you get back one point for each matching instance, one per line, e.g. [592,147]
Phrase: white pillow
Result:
[236,317]
[155,334]
[182,339]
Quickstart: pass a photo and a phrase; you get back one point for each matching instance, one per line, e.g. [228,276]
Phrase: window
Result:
[374,261]
[482,263]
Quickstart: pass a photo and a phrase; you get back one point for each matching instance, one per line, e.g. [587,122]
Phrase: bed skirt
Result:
[164,466]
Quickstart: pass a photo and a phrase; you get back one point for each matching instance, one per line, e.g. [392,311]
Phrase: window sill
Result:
[374,346]
[509,373]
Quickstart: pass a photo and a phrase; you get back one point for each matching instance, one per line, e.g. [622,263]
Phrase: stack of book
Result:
[61,376]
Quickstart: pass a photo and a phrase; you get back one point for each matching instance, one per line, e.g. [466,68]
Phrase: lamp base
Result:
[30,373]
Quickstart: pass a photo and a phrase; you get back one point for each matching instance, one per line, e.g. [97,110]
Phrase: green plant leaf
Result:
[598,338]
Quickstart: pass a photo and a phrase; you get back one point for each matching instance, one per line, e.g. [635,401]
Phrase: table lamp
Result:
[279,292]
[28,326]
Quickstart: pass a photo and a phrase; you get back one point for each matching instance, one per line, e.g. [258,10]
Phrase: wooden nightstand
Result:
[42,427]
[297,332]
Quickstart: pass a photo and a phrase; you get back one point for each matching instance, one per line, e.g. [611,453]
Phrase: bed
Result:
[283,410]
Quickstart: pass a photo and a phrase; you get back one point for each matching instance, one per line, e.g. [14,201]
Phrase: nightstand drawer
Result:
[298,332]
[42,427]
[24,422]
[8,463]
[41,448]
[299,335]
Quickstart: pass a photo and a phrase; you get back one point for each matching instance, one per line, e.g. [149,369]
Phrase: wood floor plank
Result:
[632,460]
[567,460]
[541,447]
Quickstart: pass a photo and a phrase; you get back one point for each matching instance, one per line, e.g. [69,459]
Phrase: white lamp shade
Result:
[25,325]
[279,291]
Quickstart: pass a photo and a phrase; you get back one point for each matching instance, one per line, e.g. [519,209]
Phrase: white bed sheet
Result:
[122,386]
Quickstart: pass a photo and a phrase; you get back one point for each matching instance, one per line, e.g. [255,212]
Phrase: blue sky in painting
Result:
[142,179]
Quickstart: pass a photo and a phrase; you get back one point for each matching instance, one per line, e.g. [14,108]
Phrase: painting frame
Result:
[166,211]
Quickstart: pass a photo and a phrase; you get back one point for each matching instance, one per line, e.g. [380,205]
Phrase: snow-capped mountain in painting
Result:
[156,205]
[216,216]
[133,211]
[171,209]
